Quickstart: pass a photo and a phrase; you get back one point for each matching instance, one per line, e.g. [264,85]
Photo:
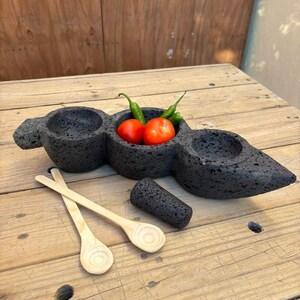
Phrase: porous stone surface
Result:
[139,161]
[208,163]
[222,165]
[73,137]
[28,134]
[151,197]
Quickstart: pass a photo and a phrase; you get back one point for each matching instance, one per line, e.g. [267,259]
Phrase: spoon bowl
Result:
[145,236]
[95,258]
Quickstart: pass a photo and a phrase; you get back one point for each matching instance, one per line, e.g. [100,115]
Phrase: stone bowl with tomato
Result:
[137,161]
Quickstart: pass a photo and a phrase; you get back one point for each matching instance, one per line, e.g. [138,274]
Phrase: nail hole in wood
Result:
[144,255]
[152,284]
[65,292]
[255,227]
[23,236]
[20,215]
[159,259]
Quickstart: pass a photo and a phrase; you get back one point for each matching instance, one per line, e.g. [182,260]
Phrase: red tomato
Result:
[131,130]
[158,131]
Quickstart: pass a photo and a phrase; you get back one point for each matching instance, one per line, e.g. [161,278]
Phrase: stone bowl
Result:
[140,161]
[73,137]
[209,163]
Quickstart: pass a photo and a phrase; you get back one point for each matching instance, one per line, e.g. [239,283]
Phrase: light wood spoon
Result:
[145,236]
[95,257]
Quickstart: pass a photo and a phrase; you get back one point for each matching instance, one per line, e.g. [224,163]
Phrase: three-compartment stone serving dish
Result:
[209,163]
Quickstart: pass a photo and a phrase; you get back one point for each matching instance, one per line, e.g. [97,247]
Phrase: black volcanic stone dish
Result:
[149,196]
[74,137]
[208,163]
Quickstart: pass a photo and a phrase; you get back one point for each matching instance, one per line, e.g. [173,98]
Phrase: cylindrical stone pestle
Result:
[149,196]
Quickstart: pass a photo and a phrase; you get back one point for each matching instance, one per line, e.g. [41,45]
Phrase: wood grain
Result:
[57,237]
[107,86]
[263,129]
[50,38]
[213,102]
[59,38]
[224,259]
[151,34]
[224,33]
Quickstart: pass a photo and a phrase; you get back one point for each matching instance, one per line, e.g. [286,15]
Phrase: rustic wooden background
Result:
[46,38]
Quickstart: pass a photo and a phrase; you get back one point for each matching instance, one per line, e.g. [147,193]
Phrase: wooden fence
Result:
[45,38]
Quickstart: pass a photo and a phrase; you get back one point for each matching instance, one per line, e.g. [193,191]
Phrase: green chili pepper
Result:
[176,118]
[135,109]
[171,110]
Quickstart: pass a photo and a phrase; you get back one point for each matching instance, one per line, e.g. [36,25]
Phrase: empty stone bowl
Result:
[222,165]
[73,137]
[208,163]
[217,146]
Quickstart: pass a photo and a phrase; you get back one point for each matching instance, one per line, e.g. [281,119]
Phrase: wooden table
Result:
[215,257]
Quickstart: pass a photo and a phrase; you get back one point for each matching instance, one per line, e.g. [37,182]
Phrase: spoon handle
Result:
[95,257]
[83,229]
[82,201]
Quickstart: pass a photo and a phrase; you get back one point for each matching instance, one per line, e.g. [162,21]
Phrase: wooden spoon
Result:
[95,257]
[145,236]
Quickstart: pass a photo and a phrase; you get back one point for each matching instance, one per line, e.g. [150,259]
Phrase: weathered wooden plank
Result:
[54,38]
[220,260]
[263,129]
[50,38]
[214,32]
[105,86]
[18,168]
[211,102]
[12,82]
[56,236]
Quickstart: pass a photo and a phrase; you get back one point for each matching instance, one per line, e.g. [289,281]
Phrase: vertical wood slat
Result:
[169,33]
[48,38]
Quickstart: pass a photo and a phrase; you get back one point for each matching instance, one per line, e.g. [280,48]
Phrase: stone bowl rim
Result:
[85,136]
[242,156]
